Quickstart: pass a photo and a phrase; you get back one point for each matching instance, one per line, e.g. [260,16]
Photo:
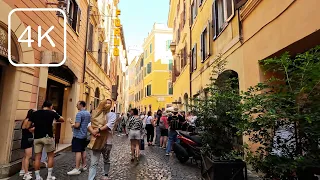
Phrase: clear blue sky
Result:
[138,17]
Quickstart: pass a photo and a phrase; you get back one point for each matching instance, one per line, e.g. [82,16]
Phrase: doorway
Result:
[55,94]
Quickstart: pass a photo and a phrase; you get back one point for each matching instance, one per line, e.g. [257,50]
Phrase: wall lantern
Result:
[173,47]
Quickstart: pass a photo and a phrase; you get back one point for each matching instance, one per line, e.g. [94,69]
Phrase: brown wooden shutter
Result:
[214,20]
[239,3]
[78,20]
[90,39]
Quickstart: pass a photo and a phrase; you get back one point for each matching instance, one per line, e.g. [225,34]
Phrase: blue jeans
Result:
[158,134]
[95,156]
[172,139]
[43,156]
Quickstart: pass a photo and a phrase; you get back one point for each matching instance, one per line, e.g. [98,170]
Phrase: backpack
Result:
[161,124]
[174,123]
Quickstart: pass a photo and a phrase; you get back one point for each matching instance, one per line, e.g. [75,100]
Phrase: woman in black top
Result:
[26,145]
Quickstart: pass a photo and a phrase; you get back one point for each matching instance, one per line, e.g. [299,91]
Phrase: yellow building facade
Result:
[150,83]
[156,69]
[242,32]
[178,20]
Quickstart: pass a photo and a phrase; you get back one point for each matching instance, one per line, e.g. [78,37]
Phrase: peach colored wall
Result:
[75,42]
[270,28]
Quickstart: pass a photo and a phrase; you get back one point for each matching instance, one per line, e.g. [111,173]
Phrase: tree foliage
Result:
[212,109]
[282,114]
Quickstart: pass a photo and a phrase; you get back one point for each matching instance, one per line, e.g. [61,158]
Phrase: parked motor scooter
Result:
[188,146]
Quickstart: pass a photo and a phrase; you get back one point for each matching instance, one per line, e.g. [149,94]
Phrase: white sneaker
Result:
[84,168]
[74,172]
[51,178]
[21,173]
[27,176]
[39,178]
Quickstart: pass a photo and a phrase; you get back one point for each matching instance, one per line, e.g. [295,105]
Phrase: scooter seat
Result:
[194,138]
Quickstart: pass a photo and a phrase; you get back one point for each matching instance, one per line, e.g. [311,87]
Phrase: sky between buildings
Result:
[138,17]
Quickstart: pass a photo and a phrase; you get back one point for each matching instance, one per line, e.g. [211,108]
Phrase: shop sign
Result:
[117,34]
[4,46]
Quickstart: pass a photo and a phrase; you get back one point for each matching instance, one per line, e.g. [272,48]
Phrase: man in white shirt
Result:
[111,118]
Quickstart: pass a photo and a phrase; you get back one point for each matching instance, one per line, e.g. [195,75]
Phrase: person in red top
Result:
[163,125]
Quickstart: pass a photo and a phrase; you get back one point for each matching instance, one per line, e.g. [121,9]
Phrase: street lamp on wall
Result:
[173,47]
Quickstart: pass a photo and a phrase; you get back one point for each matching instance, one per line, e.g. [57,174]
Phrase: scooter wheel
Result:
[182,159]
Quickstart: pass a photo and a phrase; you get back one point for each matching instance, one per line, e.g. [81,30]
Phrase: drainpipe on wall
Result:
[190,63]
[86,42]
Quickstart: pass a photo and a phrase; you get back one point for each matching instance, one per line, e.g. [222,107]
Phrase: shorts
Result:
[164,132]
[78,145]
[134,134]
[46,142]
[26,143]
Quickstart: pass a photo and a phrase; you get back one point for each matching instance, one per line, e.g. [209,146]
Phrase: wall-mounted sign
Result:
[118,12]
[117,31]
[115,51]
[4,46]
[117,34]
[116,41]
[117,22]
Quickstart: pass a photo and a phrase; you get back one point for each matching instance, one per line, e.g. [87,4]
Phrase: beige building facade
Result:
[84,76]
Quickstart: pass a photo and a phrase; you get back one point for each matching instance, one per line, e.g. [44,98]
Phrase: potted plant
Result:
[221,153]
[282,115]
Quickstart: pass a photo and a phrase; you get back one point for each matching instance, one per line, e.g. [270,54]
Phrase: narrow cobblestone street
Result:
[153,165]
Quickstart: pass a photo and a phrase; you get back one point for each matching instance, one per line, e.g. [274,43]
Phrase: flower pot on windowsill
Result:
[217,169]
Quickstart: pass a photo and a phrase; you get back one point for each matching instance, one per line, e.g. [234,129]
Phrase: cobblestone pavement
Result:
[153,165]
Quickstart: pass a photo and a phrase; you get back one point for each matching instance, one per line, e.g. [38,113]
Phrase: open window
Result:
[222,13]
[74,15]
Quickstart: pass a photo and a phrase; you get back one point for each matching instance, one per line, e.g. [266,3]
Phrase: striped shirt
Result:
[83,117]
[135,124]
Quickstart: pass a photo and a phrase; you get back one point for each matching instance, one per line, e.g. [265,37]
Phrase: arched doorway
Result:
[229,80]
[96,97]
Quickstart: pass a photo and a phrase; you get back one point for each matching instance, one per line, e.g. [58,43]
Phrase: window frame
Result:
[73,12]
[170,88]
[170,67]
[194,11]
[194,58]
[217,28]
[204,41]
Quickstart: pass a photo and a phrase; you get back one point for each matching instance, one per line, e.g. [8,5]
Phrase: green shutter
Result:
[150,48]
[170,64]
[170,88]
[149,68]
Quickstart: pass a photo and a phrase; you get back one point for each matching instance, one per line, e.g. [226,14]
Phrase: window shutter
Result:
[230,9]
[78,20]
[201,47]
[90,39]
[214,20]
[239,3]
[170,64]
[209,52]
[75,17]
[195,57]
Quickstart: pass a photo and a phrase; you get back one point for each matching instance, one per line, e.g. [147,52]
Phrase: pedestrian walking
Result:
[124,120]
[26,145]
[158,134]
[135,131]
[174,124]
[111,118]
[79,140]
[43,136]
[163,125]
[149,128]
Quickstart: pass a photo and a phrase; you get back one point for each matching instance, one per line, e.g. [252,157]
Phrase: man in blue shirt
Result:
[79,140]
